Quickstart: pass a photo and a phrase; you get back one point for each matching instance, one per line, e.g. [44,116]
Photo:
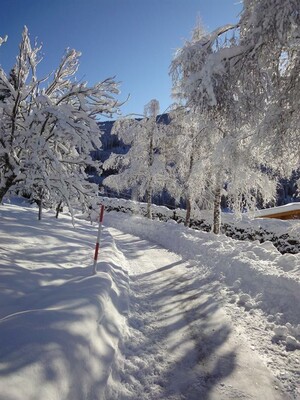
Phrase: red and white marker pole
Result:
[98,239]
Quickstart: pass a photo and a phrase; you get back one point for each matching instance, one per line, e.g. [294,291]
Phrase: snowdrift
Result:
[60,327]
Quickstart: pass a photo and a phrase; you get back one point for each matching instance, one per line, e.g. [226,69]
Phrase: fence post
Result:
[98,239]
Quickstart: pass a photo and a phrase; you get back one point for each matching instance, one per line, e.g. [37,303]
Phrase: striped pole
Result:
[98,239]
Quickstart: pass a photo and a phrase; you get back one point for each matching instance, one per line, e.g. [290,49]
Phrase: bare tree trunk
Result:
[149,190]
[40,204]
[187,221]
[8,184]
[217,211]
[40,209]
[149,201]
[188,200]
[58,209]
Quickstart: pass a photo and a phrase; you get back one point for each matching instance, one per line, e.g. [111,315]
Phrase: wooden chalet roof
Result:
[288,211]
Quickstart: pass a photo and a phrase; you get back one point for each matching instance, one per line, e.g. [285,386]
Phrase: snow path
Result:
[182,344]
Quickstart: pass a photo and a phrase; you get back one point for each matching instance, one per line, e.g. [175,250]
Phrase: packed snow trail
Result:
[181,344]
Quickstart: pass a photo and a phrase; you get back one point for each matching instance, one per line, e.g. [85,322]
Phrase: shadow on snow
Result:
[175,313]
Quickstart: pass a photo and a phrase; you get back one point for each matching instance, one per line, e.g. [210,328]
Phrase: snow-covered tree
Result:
[2,40]
[48,126]
[270,66]
[141,169]
[187,151]
[202,77]
[205,76]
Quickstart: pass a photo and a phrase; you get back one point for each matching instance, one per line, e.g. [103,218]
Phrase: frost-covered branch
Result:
[48,132]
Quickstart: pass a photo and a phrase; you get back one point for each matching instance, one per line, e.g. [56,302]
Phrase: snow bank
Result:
[60,327]
[257,275]
[283,234]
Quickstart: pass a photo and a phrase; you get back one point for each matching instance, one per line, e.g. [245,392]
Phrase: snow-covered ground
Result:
[172,313]
[60,326]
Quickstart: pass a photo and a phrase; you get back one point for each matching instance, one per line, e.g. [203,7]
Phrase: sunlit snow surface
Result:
[171,314]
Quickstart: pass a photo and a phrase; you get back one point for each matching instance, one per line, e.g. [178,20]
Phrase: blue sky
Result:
[134,40]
